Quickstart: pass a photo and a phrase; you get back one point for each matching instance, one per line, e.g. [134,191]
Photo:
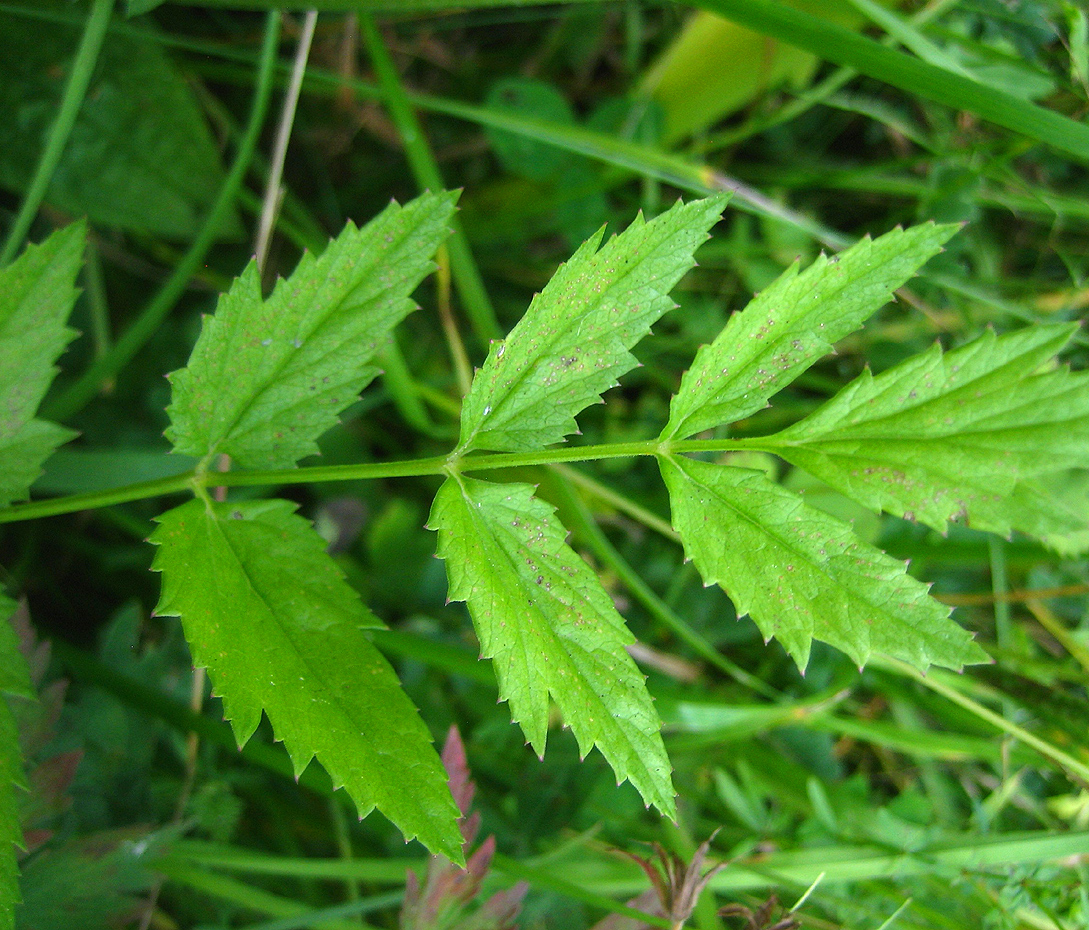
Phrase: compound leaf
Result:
[37,293]
[267,377]
[792,323]
[268,612]
[574,340]
[550,628]
[978,434]
[14,680]
[802,574]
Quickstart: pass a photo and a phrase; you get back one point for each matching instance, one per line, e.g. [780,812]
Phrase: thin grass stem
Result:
[466,275]
[270,203]
[79,79]
[936,682]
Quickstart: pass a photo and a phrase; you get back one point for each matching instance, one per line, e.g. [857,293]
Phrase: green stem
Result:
[92,500]
[199,478]
[467,277]
[463,368]
[938,682]
[637,512]
[402,388]
[1000,588]
[270,203]
[75,91]
[97,306]
[144,327]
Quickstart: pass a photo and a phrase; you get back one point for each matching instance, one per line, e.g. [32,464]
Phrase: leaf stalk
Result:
[199,478]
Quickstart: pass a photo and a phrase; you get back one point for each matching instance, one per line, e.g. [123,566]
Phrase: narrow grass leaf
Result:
[909,36]
[136,7]
[649,161]
[575,339]
[267,377]
[953,853]
[802,574]
[844,47]
[268,612]
[550,628]
[14,680]
[400,7]
[37,293]
[794,322]
[979,435]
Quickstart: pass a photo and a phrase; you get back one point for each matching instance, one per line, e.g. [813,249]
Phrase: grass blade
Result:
[844,47]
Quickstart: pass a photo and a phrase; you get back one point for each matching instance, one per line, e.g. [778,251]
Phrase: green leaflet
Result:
[549,626]
[267,377]
[267,611]
[14,680]
[37,293]
[802,574]
[574,340]
[978,434]
[794,322]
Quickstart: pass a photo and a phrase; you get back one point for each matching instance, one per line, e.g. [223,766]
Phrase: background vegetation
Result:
[898,799]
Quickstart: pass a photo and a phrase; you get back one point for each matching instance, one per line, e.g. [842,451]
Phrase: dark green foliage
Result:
[141,156]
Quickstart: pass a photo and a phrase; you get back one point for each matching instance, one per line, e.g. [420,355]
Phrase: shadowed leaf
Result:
[37,293]
[984,434]
[792,323]
[268,377]
[550,628]
[268,612]
[803,575]
[574,340]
